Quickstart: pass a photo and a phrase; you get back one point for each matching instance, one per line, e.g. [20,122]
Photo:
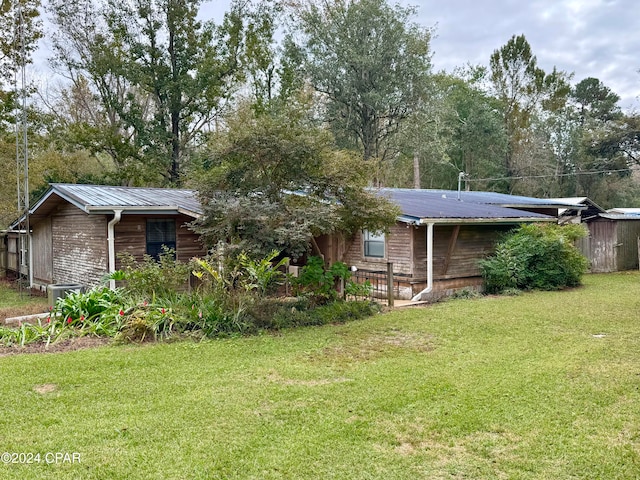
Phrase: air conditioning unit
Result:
[60,290]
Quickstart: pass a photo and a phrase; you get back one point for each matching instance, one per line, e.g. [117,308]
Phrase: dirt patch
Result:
[68,345]
[10,312]
[46,388]
[376,345]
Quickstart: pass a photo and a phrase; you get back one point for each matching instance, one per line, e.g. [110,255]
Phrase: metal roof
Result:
[488,198]
[417,206]
[442,206]
[629,211]
[106,198]
[620,216]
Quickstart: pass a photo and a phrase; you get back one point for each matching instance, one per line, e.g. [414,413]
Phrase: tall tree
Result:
[369,61]
[160,74]
[22,28]
[524,90]
[274,180]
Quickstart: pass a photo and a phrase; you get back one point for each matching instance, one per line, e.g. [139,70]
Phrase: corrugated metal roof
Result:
[416,205]
[620,216]
[94,198]
[630,211]
[488,198]
[474,206]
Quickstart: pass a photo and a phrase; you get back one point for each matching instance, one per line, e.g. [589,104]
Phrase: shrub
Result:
[150,278]
[536,257]
[319,282]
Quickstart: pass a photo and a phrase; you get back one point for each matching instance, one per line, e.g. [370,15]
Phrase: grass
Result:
[542,385]
[14,303]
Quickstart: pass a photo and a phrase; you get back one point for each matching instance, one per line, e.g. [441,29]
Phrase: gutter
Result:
[111,242]
[418,297]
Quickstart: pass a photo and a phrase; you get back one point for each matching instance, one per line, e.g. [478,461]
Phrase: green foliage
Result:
[230,299]
[81,306]
[277,314]
[319,282]
[150,278]
[274,181]
[536,257]
[371,62]
[263,275]
[157,76]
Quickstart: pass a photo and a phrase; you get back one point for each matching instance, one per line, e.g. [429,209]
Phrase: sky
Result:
[589,38]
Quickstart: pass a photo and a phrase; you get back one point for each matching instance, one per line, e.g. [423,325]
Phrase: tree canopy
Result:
[371,64]
[273,181]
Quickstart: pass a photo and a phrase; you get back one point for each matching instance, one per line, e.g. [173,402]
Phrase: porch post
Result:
[390,283]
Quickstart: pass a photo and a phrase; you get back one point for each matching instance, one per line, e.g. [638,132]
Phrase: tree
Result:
[369,62]
[525,91]
[595,100]
[161,77]
[273,181]
[19,21]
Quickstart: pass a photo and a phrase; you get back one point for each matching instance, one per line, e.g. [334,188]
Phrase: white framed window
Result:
[373,244]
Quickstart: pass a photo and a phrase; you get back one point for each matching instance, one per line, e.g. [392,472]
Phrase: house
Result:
[436,245]
[77,231]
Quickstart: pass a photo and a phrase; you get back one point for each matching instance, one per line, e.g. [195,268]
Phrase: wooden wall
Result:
[612,245]
[42,255]
[458,257]
[3,255]
[79,246]
[626,246]
[398,250]
[131,237]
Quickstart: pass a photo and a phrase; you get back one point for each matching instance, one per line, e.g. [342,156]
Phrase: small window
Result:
[160,232]
[373,244]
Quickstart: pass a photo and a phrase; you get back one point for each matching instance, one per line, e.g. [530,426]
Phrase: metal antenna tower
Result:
[22,145]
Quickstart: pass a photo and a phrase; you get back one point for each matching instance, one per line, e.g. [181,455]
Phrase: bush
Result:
[539,257]
[150,278]
[318,282]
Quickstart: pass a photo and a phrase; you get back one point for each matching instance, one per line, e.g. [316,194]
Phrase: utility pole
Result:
[22,147]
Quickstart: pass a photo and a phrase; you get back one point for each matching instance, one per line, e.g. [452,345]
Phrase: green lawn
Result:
[543,385]
[16,303]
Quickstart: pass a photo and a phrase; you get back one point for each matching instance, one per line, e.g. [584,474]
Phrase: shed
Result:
[77,231]
[612,244]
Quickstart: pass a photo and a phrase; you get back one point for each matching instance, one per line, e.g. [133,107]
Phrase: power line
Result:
[523,177]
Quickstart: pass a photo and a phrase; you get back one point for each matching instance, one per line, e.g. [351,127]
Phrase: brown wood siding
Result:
[474,243]
[601,249]
[42,242]
[131,237]
[627,244]
[398,250]
[79,246]
[612,245]
[3,255]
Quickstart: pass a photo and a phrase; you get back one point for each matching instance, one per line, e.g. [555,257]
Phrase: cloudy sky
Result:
[590,38]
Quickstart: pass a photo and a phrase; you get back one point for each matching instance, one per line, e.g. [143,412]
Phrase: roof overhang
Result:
[155,210]
[473,221]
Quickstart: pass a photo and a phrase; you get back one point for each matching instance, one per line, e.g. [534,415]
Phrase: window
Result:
[160,232]
[373,244]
